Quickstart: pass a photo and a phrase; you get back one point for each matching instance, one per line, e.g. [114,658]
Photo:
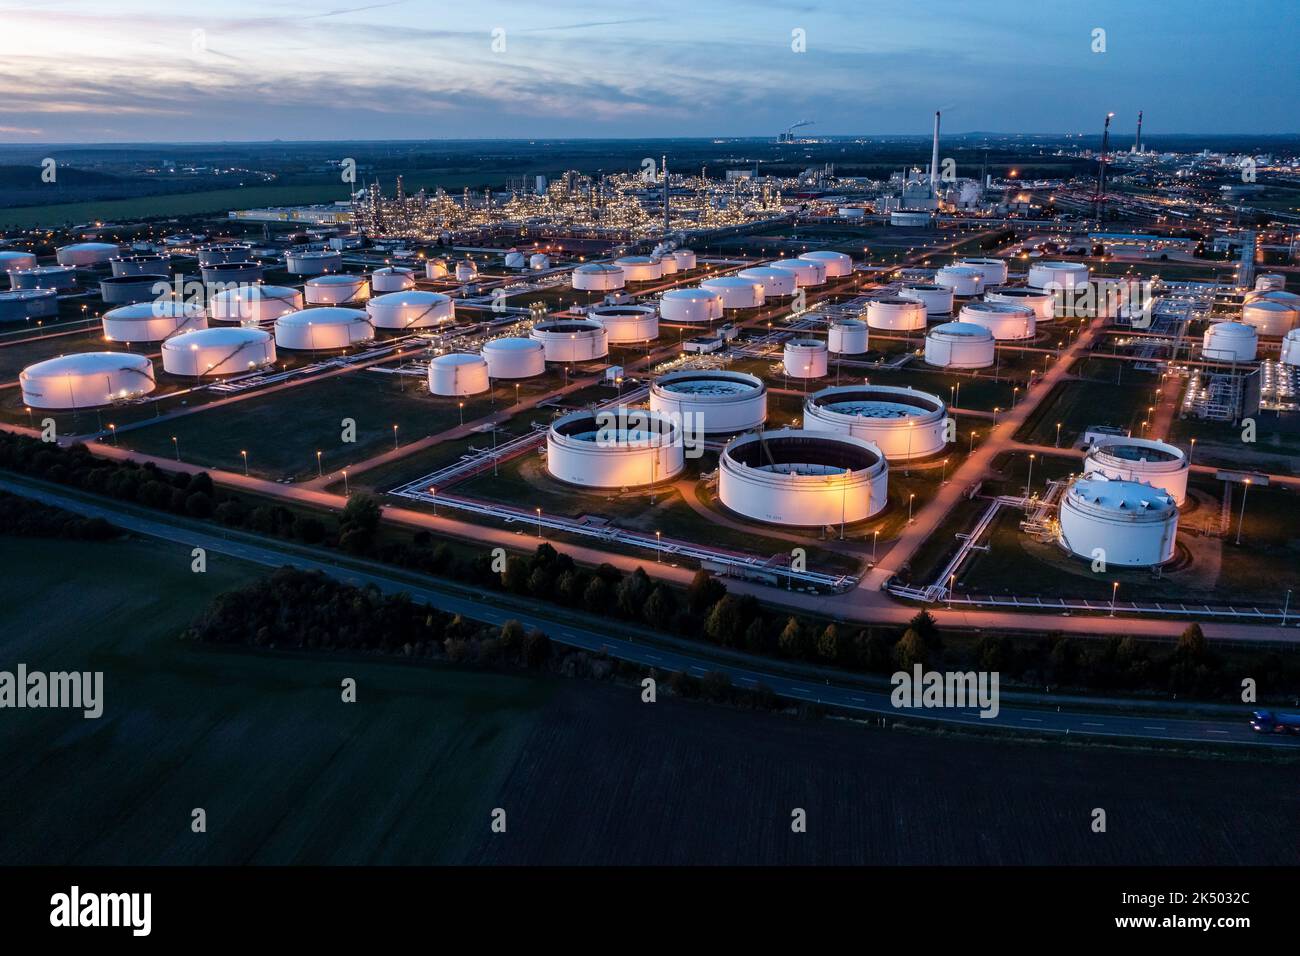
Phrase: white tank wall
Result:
[1043,303]
[736,293]
[690,305]
[667,265]
[19,305]
[85,254]
[62,278]
[1291,348]
[849,337]
[1229,342]
[723,402]
[685,259]
[805,358]
[1064,275]
[539,261]
[458,373]
[229,273]
[614,461]
[413,309]
[1006,322]
[313,263]
[598,279]
[138,265]
[807,272]
[837,264]
[128,290]
[514,358]
[217,351]
[1130,537]
[774,281]
[966,346]
[1158,470]
[392,280]
[328,328]
[640,268]
[994,271]
[962,281]
[336,290]
[435,269]
[12,260]
[896,314]
[917,434]
[570,340]
[1272,319]
[211,255]
[254,303]
[627,323]
[937,300]
[466,271]
[1270,281]
[152,321]
[86,380]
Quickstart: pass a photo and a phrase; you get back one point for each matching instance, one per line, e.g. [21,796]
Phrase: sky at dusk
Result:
[145,70]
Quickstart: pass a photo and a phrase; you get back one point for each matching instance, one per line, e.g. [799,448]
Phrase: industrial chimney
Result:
[934,160]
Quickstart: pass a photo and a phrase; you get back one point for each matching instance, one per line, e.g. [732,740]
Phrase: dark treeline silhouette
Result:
[24,518]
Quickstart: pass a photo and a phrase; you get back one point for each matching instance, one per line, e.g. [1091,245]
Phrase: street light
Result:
[971,449]
[658,544]
[1242,517]
[1029,487]
[433,497]
[244,455]
[1191,453]
[943,473]
[539,521]
[1113,591]
[176,448]
[1058,434]
[910,498]
[112,430]
[346,492]
[875,539]
[462,413]
[952,581]
[319,471]
[394,438]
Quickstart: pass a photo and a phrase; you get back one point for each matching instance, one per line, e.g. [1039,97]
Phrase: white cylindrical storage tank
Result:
[721,402]
[228,350]
[736,293]
[690,305]
[325,328]
[1291,348]
[962,281]
[86,380]
[896,314]
[1133,525]
[223,252]
[937,299]
[1230,342]
[515,259]
[313,262]
[994,271]
[667,265]
[336,289]
[414,309]
[904,423]
[838,265]
[19,305]
[801,478]
[539,261]
[127,290]
[848,337]
[140,265]
[1005,321]
[805,358]
[253,304]
[514,358]
[435,269]
[62,278]
[1270,318]
[597,277]
[910,217]
[960,345]
[392,279]
[1269,281]
[1043,303]
[640,268]
[466,270]
[152,321]
[807,272]
[627,323]
[1058,275]
[458,373]
[14,260]
[229,274]
[685,259]
[571,340]
[86,254]
[629,449]
[775,282]
[1143,460]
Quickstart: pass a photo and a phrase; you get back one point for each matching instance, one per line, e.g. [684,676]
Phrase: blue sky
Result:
[179,70]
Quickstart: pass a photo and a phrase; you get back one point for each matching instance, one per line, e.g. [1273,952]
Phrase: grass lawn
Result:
[1077,405]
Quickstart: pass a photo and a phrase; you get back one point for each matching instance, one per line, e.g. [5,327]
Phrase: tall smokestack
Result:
[934,160]
[667,218]
[1138,145]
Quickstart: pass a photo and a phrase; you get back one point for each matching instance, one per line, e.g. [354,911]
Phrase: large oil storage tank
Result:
[515,260]
[392,279]
[1144,460]
[1058,275]
[721,402]
[324,328]
[994,271]
[629,448]
[223,252]
[413,309]
[625,324]
[913,218]
[640,268]
[62,278]
[19,305]
[86,380]
[937,299]
[228,274]
[1291,348]
[807,272]
[153,321]
[597,277]
[1289,299]
[690,305]
[125,290]
[458,373]
[14,260]
[313,262]
[685,259]
[838,264]
[1043,303]
[805,358]
[667,264]
[1268,281]
[571,340]
[1006,321]
[1125,523]
[252,304]
[847,337]
[227,350]
[904,423]
[962,281]
[336,289]
[466,270]
[1230,342]
[539,261]
[147,264]
[960,345]
[737,293]
[83,255]
[1270,318]
[775,282]
[514,358]
[435,269]
[803,478]
[896,314]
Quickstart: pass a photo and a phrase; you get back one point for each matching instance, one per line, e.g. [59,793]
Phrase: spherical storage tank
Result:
[685,259]
[1130,524]
[805,358]
[722,402]
[640,268]
[937,299]
[514,358]
[392,279]
[690,305]
[807,272]
[994,271]
[960,345]
[1143,460]
[837,264]
[20,305]
[737,293]
[435,269]
[413,309]
[896,314]
[218,351]
[961,280]
[86,380]
[252,304]
[1291,348]
[44,277]
[335,289]
[458,373]
[152,264]
[84,254]
[624,449]
[125,290]
[1043,303]
[1005,321]
[1269,317]
[223,252]
[627,323]
[152,321]
[1230,342]
[12,260]
[571,340]
[1058,275]
[803,478]
[597,277]
[313,262]
[774,281]
[902,422]
[325,328]
[847,337]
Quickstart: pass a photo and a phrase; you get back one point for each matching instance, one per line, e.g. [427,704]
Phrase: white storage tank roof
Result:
[12,260]
[514,358]
[1144,460]
[1130,524]
[127,290]
[435,269]
[685,259]
[736,293]
[775,282]
[313,262]
[1058,275]
[597,277]
[896,314]
[62,278]
[1043,303]
[667,264]
[324,328]
[336,289]
[722,402]
[458,373]
[1230,342]
[961,280]
[231,273]
[152,321]
[805,358]
[993,270]
[392,279]
[1005,321]
[86,380]
[848,337]
[837,264]
[19,305]
[903,423]
[82,254]
[227,350]
[1270,317]
[252,304]
[807,272]
[220,252]
[515,259]
[1291,348]
[627,323]
[1269,281]
[638,448]
[640,268]
[937,299]
[690,305]
[414,309]
[959,345]
[466,270]
[539,261]
[140,265]
[571,340]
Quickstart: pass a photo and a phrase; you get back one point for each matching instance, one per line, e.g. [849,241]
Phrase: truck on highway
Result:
[1272,722]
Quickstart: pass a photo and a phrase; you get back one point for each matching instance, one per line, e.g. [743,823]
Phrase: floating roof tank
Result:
[723,402]
[903,423]
[630,448]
